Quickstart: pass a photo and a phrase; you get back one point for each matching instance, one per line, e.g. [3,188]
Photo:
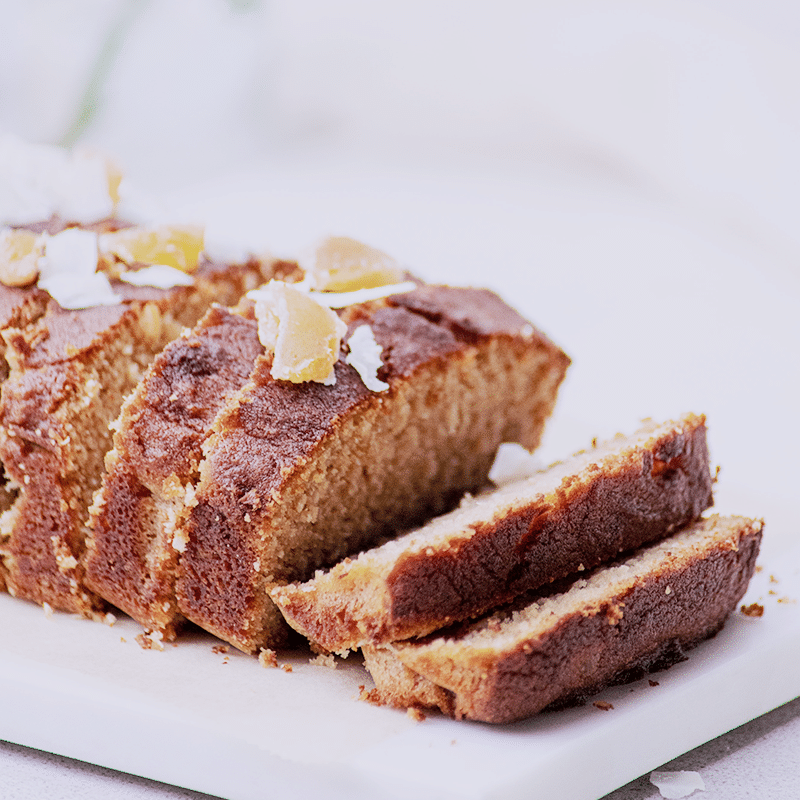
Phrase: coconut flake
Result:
[38,181]
[343,299]
[26,180]
[93,290]
[67,271]
[365,357]
[83,188]
[513,463]
[161,276]
[674,785]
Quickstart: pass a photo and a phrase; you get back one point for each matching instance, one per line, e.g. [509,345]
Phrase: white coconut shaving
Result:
[67,270]
[674,785]
[38,181]
[344,299]
[82,191]
[365,357]
[161,276]
[513,463]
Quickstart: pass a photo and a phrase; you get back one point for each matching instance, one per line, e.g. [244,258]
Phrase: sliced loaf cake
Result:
[573,516]
[628,618]
[132,552]
[69,371]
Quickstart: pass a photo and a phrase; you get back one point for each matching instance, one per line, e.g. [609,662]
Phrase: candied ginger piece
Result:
[171,245]
[304,335]
[19,256]
[340,264]
[114,177]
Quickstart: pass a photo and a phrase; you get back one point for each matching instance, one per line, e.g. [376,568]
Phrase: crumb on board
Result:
[416,714]
[268,658]
[603,705]
[286,667]
[371,696]
[151,640]
[219,649]
[653,683]
[324,660]
[753,610]
[786,600]
[773,579]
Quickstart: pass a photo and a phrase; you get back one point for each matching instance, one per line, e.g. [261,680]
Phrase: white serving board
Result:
[222,724]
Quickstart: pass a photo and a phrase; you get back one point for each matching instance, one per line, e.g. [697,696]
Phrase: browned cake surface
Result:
[69,373]
[626,619]
[132,554]
[299,475]
[576,515]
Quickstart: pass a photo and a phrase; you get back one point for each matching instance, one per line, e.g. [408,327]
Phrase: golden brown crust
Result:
[637,489]
[677,594]
[298,475]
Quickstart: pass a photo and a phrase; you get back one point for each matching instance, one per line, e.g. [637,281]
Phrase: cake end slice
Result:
[628,618]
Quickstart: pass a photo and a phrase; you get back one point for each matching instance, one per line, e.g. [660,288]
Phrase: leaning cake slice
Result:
[297,475]
[579,513]
[132,550]
[628,618]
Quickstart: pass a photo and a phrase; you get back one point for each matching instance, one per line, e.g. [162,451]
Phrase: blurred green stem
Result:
[92,95]
[115,39]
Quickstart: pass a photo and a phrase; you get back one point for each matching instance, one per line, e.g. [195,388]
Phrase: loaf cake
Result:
[500,544]
[297,475]
[624,620]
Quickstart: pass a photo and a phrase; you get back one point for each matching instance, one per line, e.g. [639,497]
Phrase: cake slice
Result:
[626,619]
[21,304]
[69,371]
[132,551]
[298,475]
[573,516]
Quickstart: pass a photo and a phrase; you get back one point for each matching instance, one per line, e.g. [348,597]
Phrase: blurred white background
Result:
[698,99]
[626,173]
